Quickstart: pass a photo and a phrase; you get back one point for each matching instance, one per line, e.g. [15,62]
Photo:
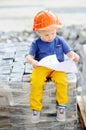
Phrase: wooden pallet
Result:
[81,112]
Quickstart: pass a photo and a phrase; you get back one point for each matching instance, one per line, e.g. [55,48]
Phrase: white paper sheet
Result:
[51,62]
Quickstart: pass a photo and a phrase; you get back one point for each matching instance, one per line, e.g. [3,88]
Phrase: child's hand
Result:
[35,63]
[32,61]
[74,56]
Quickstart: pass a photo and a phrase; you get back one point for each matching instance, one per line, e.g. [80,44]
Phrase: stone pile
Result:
[14,47]
[14,83]
[13,65]
[15,113]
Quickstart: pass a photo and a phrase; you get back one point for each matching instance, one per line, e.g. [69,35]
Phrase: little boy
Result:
[48,43]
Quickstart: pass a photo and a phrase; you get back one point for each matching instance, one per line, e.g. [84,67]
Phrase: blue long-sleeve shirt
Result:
[40,49]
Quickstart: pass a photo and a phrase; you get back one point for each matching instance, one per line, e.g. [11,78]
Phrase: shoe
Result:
[61,113]
[35,116]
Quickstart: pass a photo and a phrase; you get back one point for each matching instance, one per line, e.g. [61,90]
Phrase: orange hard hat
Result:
[44,20]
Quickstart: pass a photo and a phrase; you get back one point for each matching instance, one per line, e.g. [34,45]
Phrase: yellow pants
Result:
[38,80]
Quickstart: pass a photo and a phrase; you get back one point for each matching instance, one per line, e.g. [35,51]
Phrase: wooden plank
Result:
[81,112]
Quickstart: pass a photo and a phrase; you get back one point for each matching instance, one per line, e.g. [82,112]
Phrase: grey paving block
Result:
[4,78]
[26,77]
[8,62]
[28,68]
[9,55]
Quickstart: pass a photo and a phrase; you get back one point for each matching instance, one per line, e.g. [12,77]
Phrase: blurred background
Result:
[16,19]
[18,14]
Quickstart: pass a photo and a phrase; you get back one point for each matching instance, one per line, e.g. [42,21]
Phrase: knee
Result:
[61,80]
[37,81]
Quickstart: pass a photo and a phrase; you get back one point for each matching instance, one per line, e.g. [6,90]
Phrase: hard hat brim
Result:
[50,27]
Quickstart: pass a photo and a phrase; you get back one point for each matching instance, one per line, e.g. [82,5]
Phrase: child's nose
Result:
[50,37]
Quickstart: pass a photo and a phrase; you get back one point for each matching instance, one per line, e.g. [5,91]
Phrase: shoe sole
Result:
[60,120]
[34,122]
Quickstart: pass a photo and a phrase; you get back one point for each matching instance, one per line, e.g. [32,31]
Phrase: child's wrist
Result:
[73,57]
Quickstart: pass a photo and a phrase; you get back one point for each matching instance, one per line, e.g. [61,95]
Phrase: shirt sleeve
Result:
[66,47]
[33,48]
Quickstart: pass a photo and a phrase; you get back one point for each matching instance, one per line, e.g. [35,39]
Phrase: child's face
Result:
[47,35]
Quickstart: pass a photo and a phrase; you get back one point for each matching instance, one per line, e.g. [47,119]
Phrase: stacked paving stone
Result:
[13,65]
[14,47]
[15,113]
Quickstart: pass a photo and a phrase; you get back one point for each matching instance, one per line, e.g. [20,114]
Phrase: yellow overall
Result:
[38,80]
